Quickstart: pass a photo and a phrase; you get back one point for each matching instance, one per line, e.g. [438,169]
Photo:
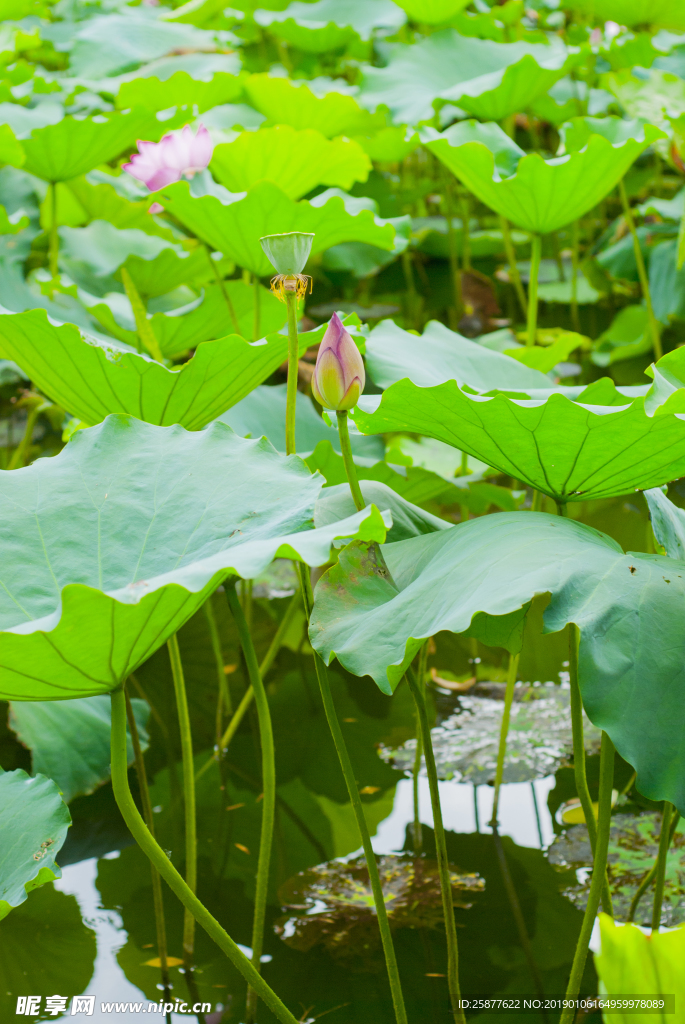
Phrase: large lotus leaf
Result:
[127,531]
[439,355]
[34,821]
[11,151]
[92,379]
[628,608]
[180,90]
[262,413]
[70,740]
[235,228]
[172,268]
[331,24]
[111,43]
[632,959]
[568,450]
[408,520]
[301,105]
[654,99]
[211,319]
[535,194]
[432,12]
[45,947]
[101,201]
[74,146]
[657,13]
[296,161]
[104,247]
[470,72]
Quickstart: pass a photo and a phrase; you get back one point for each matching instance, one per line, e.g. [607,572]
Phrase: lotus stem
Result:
[660,874]
[465,237]
[606,781]
[145,332]
[19,454]
[532,322]
[157,897]
[575,246]
[159,859]
[513,266]
[256,324]
[224,291]
[53,238]
[649,876]
[504,731]
[188,793]
[223,698]
[416,829]
[348,459]
[293,353]
[457,310]
[417,689]
[654,326]
[358,809]
[266,664]
[537,814]
[579,769]
[268,783]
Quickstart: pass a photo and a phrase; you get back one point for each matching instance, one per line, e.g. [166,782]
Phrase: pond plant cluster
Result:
[342,360]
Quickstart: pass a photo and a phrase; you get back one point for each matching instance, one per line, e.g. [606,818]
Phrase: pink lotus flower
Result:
[339,377]
[179,154]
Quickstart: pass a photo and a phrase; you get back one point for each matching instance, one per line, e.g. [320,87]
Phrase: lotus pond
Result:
[342,511]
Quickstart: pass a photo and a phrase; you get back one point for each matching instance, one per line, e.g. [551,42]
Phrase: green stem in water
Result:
[159,859]
[268,783]
[654,326]
[660,874]
[513,266]
[266,664]
[223,697]
[579,771]
[143,326]
[188,792]
[606,781]
[224,291]
[348,460]
[417,831]
[357,807]
[53,240]
[417,688]
[504,732]
[649,877]
[575,244]
[293,353]
[157,897]
[532,321]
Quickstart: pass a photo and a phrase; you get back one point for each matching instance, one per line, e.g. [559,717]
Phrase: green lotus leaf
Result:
[569,450]
[432,12]
[490,80]
[318,105]
[655,99]
[101,201]
[479,576]
[631,959]
[70,740]
[408,520]
[92,379]
[111,43]
[262,413]
[569,98]
[45,948]
[668,523]
[235,228]
[104,247]
[535,194]
[389,145]
[34,821]
[74,146]
[180,90]
[12,225]
[296,161]
[439,355]
[331,24]
[11,151]
[128,531]
[210,320]
[658,14]
[627,336]
[666,282]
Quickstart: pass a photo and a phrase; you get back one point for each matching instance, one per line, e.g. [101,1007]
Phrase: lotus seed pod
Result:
[289,252]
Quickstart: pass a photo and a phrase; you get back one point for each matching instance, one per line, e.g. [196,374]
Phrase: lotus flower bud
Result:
[289,252]
[339,377]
